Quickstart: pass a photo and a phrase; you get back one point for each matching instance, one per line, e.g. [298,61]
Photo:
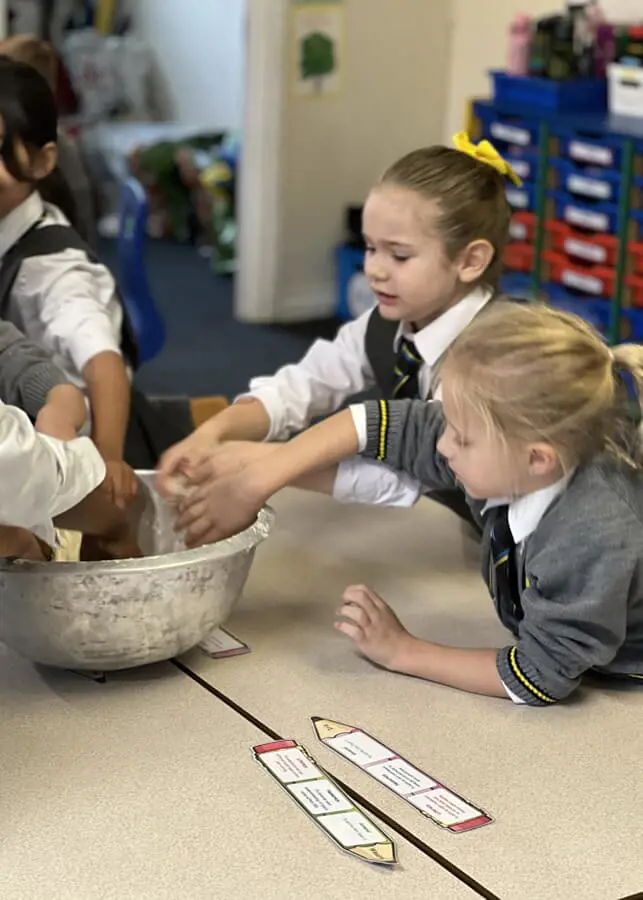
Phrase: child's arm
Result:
[216,510]
[81,326]
[30,380]
[377,633]
[285,403]
[108,390]
[64,413]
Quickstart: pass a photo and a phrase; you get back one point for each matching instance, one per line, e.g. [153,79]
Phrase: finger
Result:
[355,613]
[354,632]
[365,596]
[191,513]
[201,533]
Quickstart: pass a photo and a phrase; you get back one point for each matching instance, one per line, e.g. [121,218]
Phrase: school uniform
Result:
[67,301]
[564,565]
[27,374]
[42,478]
[363,356]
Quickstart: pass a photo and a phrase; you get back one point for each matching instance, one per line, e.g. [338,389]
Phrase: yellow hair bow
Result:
[485,152]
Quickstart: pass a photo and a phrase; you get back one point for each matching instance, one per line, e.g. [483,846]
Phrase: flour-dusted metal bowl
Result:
[125,613]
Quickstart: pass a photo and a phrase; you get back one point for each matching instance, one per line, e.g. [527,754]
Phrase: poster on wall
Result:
[318,48]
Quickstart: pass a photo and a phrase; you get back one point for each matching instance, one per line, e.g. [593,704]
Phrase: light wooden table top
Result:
[564,784]
[144,788]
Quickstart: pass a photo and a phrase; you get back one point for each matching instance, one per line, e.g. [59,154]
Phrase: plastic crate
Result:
[588,149]
[522,226]
[517,284]
[521,199]
[588,280]
[586,95]
[507,130]
[636,226]
[523,162]
[587,182]
[562,238]
[635,258]
[354,295]
[519,257]
[633,292]
[597,312]
[600,218]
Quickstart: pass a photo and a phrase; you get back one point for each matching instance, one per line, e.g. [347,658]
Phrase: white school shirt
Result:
[41,477]
[62,301]
[333,371]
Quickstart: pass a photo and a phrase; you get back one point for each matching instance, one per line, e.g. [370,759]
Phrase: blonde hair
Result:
[470,195]
[534,373]
[28,49]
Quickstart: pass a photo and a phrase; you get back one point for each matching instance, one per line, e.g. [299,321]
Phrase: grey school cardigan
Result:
[27,373]
[581,574]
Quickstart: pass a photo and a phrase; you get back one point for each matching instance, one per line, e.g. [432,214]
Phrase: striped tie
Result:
[406,384]
[504,563]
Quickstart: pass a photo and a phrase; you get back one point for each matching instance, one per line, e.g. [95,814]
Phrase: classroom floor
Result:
[207,351]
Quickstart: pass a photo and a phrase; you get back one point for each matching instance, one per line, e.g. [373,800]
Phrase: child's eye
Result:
[370,248]
[399,258]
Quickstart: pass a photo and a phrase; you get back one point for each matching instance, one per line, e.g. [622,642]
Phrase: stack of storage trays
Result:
[516,139]
[632,299]
[581,222]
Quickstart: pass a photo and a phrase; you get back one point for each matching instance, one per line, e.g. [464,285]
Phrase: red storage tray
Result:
[591,280]
[633,293]
[519,257]
[600,249]
[635,257]
[522,226]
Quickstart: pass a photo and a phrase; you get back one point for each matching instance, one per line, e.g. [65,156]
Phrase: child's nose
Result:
[374,269]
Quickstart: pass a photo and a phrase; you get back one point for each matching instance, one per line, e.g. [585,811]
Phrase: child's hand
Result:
[121,544]
[188,455]
[217,509]
[120,483]
[372,626]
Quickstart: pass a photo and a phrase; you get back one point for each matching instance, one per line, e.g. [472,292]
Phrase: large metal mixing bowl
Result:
[125,613]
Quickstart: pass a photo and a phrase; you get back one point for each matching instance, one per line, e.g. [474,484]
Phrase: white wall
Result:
[480,41]
[333,148]
[198,47]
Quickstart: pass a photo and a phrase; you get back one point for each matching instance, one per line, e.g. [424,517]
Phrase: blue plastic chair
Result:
[147,323]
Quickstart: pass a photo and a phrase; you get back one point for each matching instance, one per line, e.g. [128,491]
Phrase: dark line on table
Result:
[354,795]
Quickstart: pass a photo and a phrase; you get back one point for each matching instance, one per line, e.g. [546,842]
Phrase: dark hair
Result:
[28,110]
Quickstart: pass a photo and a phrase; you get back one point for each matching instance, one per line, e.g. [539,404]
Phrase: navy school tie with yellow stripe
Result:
[505,565]
[406,384]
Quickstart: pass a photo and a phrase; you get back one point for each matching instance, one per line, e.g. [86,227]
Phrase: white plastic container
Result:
[625,90]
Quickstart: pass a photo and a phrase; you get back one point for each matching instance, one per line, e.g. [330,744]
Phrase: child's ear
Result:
[44,161]
[543,459]
[474,260]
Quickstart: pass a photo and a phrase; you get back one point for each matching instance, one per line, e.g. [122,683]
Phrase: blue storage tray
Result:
[587,182]
[522,199]
[524,163]
[585,95]
[597,312]
[594,150]
[517,284]
[595,217]
[503,130]
[349,261]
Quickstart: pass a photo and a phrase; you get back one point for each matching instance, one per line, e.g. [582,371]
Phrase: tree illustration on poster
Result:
[318,30]
[317,58]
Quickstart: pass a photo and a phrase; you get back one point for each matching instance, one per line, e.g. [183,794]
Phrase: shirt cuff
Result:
[84,346]
[82,470]
[358,412]
[372,483]
[521,679]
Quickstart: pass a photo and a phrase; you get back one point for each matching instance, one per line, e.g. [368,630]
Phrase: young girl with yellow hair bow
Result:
[435,227]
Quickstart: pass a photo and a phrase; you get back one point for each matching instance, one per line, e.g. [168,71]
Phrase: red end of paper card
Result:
[471,824]
[276,745]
